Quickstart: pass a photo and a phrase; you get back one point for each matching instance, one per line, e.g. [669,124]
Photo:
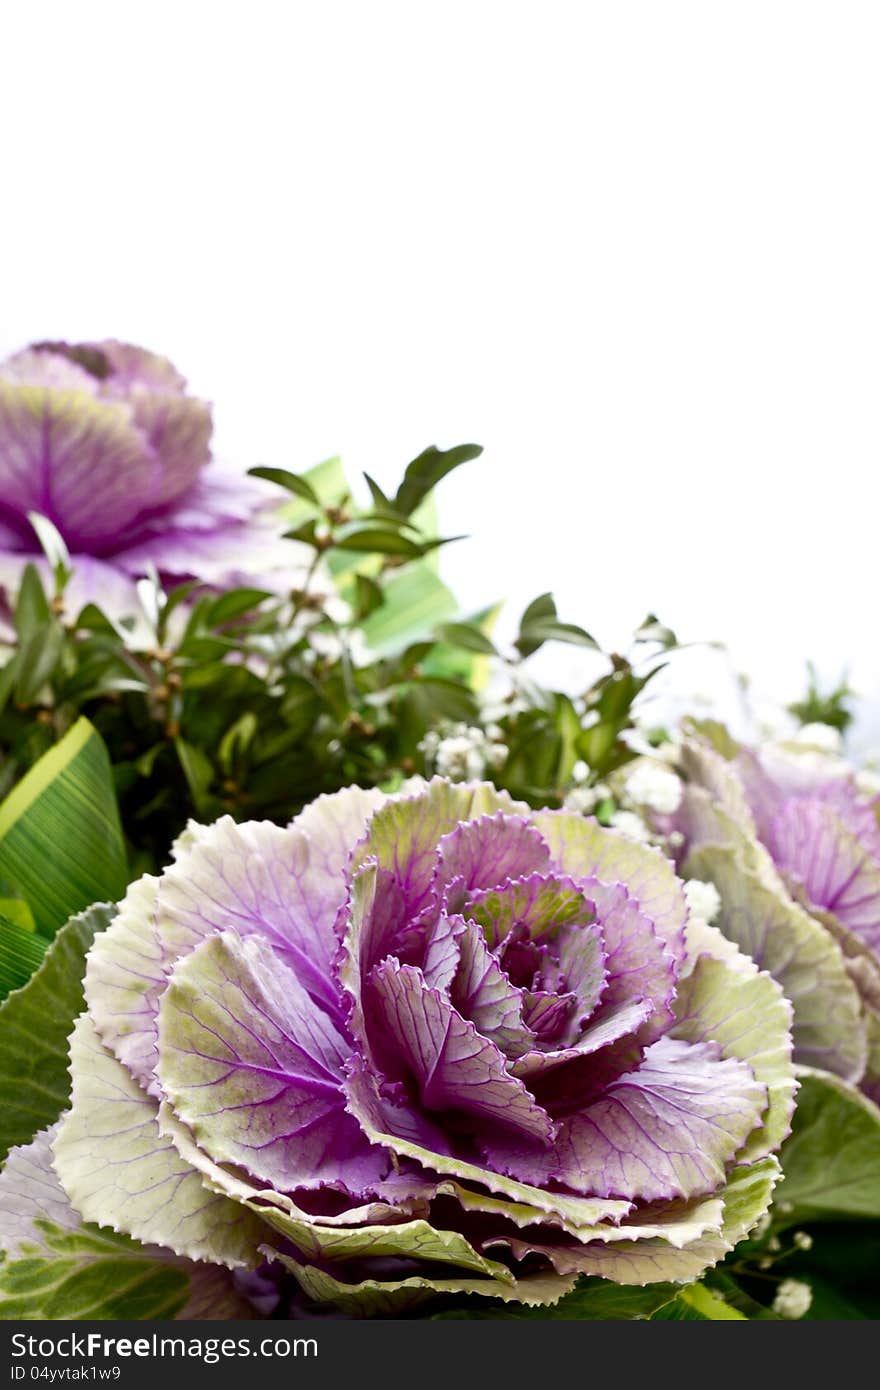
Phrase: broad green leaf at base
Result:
[831,1162]
[34,1026]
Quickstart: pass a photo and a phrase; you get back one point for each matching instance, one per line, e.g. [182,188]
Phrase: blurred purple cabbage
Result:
[104,440]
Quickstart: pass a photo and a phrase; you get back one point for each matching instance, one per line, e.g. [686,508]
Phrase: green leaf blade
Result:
[61,842]
[35,1023]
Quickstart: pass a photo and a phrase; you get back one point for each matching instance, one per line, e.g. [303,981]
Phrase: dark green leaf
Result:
[369,596]
[540,608]
[378,541]
[380,501]
[540,630]
[37,660]
[31,605]
[426,471]
[197,769]
[293,482]
[233,604]
[468,636]
[34,1026]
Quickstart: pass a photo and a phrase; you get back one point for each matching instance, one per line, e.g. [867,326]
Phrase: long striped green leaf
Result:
[21,951]
[61,842]
[35,1023]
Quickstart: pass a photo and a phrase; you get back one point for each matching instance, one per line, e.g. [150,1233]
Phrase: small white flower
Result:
[580,772]
[703,899]
[802,1240]
[581,800]
[793,1298]
[326,644]
[430,743]
[336,608]
[821,736]
[496,755]
[460,756]
[628,824]
[654,787]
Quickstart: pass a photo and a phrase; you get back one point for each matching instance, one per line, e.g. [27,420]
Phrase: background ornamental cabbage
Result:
[790,837]
[418,1044]
[104,441]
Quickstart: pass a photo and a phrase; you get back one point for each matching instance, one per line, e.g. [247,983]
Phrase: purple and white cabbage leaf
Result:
[421,1044]
[104,441]
[792,843]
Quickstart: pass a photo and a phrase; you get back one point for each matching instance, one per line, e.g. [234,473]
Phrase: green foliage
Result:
[251,704]
[591,1300]
[61,844]
[35,1022]
[832,707]
[91,1273]
[831,1161]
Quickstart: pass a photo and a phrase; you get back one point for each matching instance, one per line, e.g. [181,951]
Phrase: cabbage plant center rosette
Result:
[421,1044]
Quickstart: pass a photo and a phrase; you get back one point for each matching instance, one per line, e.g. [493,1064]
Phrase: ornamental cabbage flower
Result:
[792,843]
[104,440]
[422,1044]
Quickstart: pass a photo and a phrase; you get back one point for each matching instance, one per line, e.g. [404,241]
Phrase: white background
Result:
[633,249]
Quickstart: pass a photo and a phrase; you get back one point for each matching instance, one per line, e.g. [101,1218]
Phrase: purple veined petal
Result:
[33,367]
[860,815]
[404,833]
[668,1129]
[256,879]
[482,993]
[764,794]
[131,369]
[222,493]
[443,952]
[635,1008]
[334,823]
[226,553]
[488,851]
[546,1014]
[36,1216]
[77,460]
[255,1070]
[454,1068]
[585,850]
[555,914]
[539,904]
[125,975]
[371,925]
[571,1070]
[638,963]
[30,1193]
[177,429]
[413,1136]
[774,777]
[812,847]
